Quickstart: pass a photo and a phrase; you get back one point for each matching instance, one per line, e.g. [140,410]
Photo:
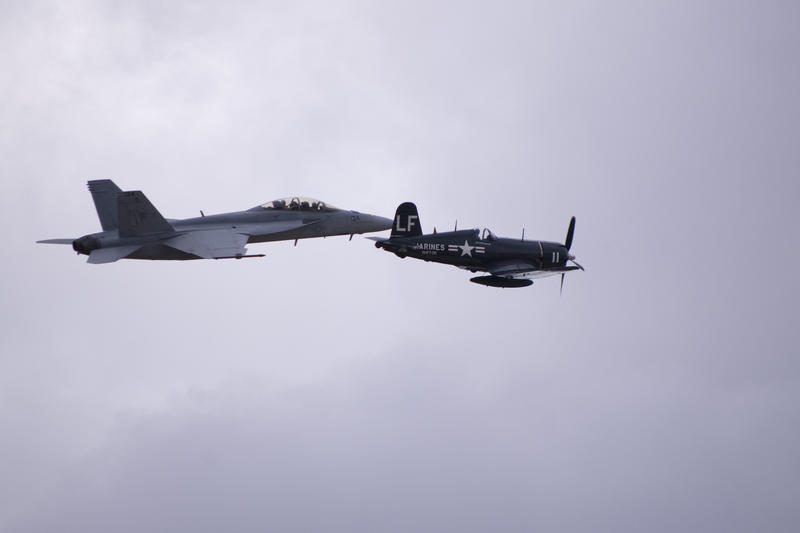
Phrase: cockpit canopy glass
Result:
[487,235]
[298,203]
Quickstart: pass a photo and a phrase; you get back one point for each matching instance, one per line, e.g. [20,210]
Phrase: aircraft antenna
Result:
[456,228]
[201,213]
[523,234]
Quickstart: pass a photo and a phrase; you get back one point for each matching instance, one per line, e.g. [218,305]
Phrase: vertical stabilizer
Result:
[406,221]
[104,194]
[138,217]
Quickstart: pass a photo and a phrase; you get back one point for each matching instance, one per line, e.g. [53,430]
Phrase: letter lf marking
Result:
[409,224]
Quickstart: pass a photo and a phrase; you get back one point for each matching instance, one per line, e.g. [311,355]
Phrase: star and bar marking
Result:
[466,249]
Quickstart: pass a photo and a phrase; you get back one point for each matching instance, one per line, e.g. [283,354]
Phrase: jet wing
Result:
[210,244]
[269,228]
[109,255]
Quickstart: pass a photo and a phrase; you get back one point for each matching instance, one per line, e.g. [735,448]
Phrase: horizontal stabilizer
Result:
[210,244]
[56,241]
[109,255]
[138,217]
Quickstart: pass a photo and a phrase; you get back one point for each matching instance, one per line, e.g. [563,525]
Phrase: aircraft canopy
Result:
[298,203]
[487,235]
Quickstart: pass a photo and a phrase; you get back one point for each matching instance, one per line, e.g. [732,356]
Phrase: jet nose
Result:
[365,223]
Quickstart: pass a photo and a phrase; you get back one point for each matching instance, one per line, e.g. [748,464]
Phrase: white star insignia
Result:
[466,249]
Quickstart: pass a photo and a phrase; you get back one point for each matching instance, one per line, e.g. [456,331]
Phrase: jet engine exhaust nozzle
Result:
[85,245]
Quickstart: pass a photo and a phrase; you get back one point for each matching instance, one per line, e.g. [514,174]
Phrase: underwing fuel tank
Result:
[497,281]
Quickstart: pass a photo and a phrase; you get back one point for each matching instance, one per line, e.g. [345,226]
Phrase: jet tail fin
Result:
[104,194]
[406,221]
[138,217]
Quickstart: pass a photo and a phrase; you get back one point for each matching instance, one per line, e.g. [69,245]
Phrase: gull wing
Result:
[510,269]
[525,269]
[210,244]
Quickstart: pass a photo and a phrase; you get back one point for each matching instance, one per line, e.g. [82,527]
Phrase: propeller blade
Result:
[562,285]
[570,231]
[578,264]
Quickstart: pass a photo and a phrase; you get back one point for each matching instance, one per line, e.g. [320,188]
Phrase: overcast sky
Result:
[335,387]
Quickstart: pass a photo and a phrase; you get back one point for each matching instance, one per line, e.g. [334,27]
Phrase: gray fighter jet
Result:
[134,229]
[509,262]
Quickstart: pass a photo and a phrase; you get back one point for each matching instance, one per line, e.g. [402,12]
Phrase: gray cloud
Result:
[413,440]
[335,386]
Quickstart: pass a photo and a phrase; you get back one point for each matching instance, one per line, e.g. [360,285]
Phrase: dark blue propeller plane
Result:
[509,262]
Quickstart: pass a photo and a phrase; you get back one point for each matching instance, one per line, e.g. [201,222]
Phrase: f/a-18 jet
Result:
[509,262]
[134,229]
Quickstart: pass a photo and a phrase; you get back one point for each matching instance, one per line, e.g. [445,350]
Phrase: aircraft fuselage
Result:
[466,249]
[134,229]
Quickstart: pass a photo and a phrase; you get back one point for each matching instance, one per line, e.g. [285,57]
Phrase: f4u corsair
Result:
[509,262]
[134,229]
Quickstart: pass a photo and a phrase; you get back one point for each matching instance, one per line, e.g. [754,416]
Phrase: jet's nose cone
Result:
[366,223]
